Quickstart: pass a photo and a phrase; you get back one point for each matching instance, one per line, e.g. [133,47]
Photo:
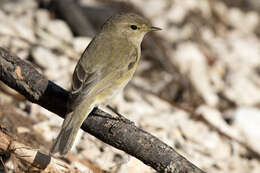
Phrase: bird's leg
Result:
[119,116]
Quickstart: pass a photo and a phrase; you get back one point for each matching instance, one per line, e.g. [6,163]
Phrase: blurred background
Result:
[197,87]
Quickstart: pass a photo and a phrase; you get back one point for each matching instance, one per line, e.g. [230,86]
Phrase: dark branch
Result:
[22,77]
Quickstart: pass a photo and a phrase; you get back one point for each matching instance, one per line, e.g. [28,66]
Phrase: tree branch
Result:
[31,156]
[22,77]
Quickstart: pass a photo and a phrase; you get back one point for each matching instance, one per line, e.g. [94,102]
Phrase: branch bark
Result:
[124,135]
[31,156]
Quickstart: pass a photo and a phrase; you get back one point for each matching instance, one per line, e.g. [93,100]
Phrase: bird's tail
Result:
[70,128]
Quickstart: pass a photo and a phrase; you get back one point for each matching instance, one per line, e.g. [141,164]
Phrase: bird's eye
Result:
[133,27]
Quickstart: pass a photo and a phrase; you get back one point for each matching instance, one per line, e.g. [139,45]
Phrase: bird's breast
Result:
[123,59]
[117,84]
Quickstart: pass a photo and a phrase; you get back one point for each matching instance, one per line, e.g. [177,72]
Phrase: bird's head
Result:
[130,26]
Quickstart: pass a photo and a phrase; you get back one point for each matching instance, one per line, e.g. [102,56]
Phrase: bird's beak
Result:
[152,28]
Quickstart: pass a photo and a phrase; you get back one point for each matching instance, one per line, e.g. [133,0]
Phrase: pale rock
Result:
[235,165]
[217,73]
[3,15]
[22,53]
[71,67]
[4,98]
[213,142]
[157,103]
[106,160]
[164,124]
[183,33]
[245,51]
[247,120]
[22,30]
[9,164]
[80,43]
[192,62]
[53,75]
[239,55]
[20,48]
[17,8]
[45,58]
[252,21]
[92,3]
[53,119]
[64,62]
[60,29]
[220,48]
[194,131]
[255,167]
[66,82]
[207,34]
[143,66]
[135,165]
[66,69]
[151,85]
[196,154]
[90,148]
[59,75]
[176,14]
[204,7]
[156,21]
[135,109]
[27,18]
[48,40]
[22,129]
[221,9]
[242,91]
[159,127]
[245,22]
[255,79]
[215,118]
[188,4]
[165,78]
[157,7]
[5,41]
[44,129]
[42,17]
[6,29]
[173,33]
[82,168]
[235,16]
[64,75]
[101,153]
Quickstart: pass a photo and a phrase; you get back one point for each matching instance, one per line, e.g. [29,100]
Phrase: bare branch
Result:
[31,156]
[124,135]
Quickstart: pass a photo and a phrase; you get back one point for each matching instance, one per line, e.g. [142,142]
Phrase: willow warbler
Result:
[105,67]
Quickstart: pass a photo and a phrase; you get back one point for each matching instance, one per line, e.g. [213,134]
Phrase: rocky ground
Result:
[206,106]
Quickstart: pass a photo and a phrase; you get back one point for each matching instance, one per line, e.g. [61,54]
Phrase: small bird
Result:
[105,67]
